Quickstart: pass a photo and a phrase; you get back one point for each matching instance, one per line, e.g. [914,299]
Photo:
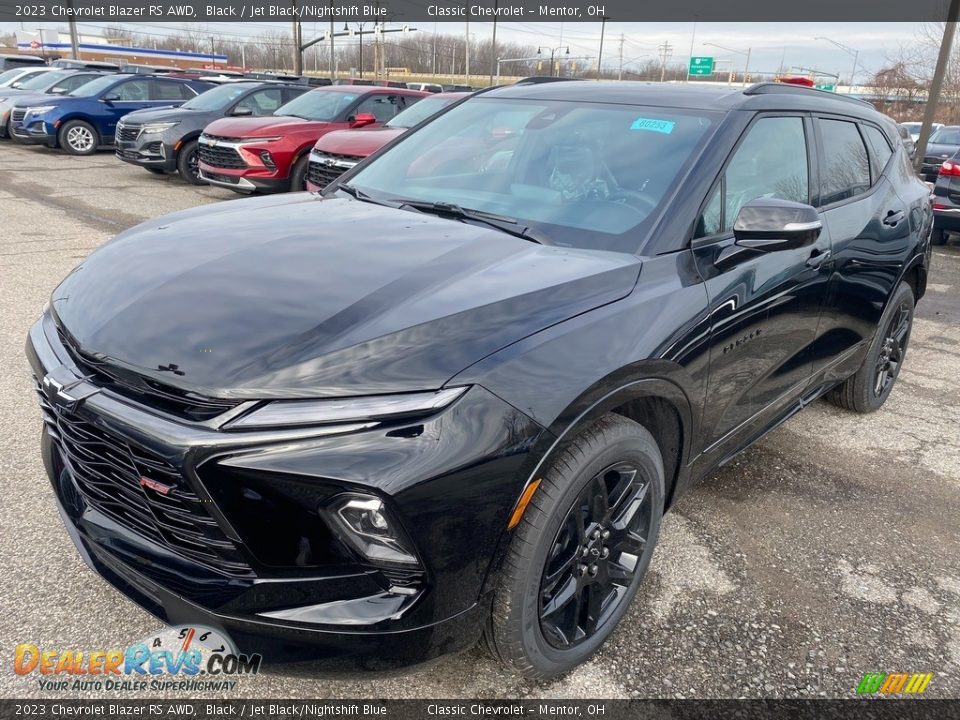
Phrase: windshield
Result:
[418,112]
[321,105]
[94,87]
[218,97]
[946,136]
[9,75]
[911,126]
[581,174]
[44,80]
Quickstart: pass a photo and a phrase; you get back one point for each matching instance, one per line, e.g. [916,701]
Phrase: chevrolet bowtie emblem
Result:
[64,389]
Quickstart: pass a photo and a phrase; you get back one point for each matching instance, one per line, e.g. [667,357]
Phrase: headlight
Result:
[158,127]
[40,109]
[286,413]
[364,523]
[258,140]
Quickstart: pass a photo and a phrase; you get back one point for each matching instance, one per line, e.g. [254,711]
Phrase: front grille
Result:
[146,391]
[17,115]
[108,471]
[220,156]
[322,175]
[127,133]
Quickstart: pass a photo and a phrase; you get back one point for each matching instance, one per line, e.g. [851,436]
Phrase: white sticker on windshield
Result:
[651,125]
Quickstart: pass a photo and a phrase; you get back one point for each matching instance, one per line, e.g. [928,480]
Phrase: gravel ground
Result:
[829,549]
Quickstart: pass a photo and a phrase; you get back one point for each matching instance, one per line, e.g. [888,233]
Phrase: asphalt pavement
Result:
[829,549]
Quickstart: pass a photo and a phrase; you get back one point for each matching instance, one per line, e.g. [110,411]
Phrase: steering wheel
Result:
[634,199]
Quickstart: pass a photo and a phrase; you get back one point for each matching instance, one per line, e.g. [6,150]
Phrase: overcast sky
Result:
[770,44]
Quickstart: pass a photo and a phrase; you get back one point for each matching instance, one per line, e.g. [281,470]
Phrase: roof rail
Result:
[540,79]
[775,88]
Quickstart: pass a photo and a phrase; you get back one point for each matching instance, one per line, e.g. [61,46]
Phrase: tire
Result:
[188,165]
[939,236]
[78,137]
[867,389]
[155,171]
[550,550]
[298,176]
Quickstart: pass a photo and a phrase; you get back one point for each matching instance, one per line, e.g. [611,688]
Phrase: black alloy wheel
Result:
[581,549]
[868,388]
[893,348]
[595,554]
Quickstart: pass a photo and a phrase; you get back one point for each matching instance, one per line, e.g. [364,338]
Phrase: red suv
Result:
[270,154]
[337,152]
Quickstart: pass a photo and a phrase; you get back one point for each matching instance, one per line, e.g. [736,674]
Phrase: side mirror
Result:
[362,120]
[109,99]
[16,85]
[242,112]
[58,91]
[767,225]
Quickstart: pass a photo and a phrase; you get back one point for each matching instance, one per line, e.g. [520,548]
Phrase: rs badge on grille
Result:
[155,486]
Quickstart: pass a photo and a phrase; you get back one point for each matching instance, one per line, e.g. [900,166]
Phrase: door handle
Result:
[818,258]
[894,217]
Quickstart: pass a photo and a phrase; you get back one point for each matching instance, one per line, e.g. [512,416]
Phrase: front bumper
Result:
[243,181]
[35,132]
[452,480]
[151,151]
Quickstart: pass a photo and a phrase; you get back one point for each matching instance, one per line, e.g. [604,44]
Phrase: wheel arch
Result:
[69,117]
[658,404]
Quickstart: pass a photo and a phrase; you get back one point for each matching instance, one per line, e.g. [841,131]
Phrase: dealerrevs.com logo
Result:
[191,658]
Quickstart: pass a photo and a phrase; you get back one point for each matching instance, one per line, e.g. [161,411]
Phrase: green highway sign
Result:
[829,87]
[700,66]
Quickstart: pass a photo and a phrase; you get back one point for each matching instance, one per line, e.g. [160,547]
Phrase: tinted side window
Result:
[132,91]
[770,162]
[384,107]
[71,83]
[880,151]
[263,102]
[845,171]
[172,91]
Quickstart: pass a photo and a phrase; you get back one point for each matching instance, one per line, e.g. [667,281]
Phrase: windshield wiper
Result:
[497,222]
[358,194]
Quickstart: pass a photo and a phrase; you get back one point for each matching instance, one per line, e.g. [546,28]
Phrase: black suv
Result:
[456,393]
[165,140]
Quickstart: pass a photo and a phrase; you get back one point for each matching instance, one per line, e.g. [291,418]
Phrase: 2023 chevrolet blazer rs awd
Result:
[455,394]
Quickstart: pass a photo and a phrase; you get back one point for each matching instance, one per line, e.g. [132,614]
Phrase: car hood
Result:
[360,142]
[300,296]
[154,115]
[259,126]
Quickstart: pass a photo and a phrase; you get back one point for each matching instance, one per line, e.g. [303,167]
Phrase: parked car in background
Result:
[907,139]
[165,140]
[271,154]
[87,117]
[60,82]
[71,64]
[353,81]
[10,62]
[338,151]
[438,403]
[137,69]
[913,128]
[943,144]
[426,87]
[946,200]
[15,77]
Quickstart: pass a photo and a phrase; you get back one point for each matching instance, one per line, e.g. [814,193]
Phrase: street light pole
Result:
[848,51]
[603,27]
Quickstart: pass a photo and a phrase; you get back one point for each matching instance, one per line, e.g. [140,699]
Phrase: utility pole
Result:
[665,52]
[493,44]
[297,51]
[243,55]
[74,40]
[603,27]
[620,71]
[213,52]
[467,58]
[693,37]
[933,96]
[333,71]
